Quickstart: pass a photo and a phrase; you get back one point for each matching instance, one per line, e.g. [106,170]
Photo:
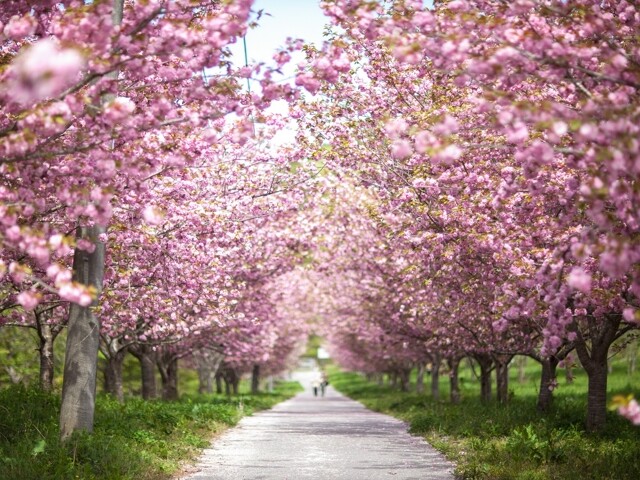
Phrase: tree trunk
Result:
[521,361]
[235,383]
[47,336]
[83,328]
[502,378]
[393,379]
[502,382]
[597,397]
[207,363]
[168,367]
[594,361]
[454,364]
[435,377]
[547,381]
[146,357]
[205,377]
[113,375]
[405,379]
[83,341]
[148,377]
[255,379]
[218,383]
[420,378]
[170,386]
[568,372]
[486,366]
[231,381]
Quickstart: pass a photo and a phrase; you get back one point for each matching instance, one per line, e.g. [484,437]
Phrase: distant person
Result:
[316,384]
[324,381]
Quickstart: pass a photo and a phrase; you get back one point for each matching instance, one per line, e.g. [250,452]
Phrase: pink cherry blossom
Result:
[631,411]
[119,109]
[43,70]
[19,27]
[153,215]
[579,279]
[401,149]
[29,300]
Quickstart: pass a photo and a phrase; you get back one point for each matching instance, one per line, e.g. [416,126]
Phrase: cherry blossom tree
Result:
[85,87]
[502,130]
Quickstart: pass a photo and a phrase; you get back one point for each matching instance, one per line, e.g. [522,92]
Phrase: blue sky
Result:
[281,19]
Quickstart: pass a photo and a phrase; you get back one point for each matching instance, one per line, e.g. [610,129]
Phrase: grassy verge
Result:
[509,442]
[138,440]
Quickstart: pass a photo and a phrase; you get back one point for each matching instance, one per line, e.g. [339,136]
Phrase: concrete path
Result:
[323,438]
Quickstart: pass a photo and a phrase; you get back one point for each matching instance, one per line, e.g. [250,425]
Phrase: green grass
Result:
[491,441]
[141,440]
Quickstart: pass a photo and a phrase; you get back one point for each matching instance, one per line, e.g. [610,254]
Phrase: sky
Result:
[281,19]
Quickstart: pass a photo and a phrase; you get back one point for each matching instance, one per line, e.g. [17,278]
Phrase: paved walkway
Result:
[322,438]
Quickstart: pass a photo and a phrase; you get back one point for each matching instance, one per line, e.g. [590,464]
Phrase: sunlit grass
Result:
[137,440]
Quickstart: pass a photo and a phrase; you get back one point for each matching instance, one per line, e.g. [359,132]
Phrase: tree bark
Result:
[235,383]
[597,397]
[218,383]
[602,333]
[420,378]
[146,357]
[521,361]
[83,341]
[47,336]
[170,381]
[545,394]
[205,380]
[168,368]
[231,381]
[568,373]
[435,377]
[207,362]
[255,379]
[148,377]
[113,375]
[454,364]
[405,379]
[486,366]
[502,378]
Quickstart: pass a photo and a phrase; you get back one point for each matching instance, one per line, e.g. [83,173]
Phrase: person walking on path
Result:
[323,383]
[316,384]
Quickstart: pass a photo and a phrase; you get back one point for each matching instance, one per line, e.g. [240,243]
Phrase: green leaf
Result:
[39,448]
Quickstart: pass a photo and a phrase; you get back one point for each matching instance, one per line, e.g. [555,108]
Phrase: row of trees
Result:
[463,184]
[493,150]
[141,209]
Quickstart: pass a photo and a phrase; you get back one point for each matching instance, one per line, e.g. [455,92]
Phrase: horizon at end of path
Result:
[330,437]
